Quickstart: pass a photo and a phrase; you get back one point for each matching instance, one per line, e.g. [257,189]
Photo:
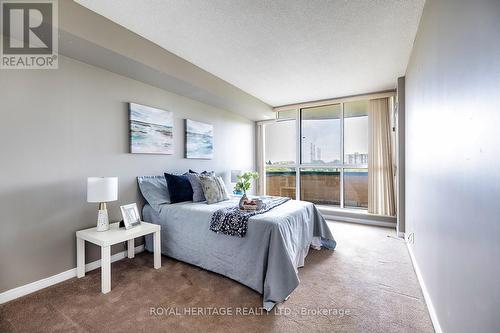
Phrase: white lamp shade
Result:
[102,189]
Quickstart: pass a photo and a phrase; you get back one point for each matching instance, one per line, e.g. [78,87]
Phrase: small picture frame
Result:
[130,215]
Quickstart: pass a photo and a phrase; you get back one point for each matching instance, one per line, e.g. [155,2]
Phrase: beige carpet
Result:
[366,285]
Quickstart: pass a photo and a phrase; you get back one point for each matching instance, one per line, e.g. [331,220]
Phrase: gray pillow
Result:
[154,190]
[196,186]
[214,188]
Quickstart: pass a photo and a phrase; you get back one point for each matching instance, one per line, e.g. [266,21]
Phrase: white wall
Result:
[453,161]
[57,127]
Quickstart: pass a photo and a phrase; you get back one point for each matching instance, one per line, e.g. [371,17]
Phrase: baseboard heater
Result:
[353,216]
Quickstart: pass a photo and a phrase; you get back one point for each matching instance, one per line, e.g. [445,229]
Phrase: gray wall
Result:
[58,127]
[453,159]
[400,155]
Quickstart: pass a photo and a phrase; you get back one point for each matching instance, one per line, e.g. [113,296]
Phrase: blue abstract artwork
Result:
[199,140]
[150,130]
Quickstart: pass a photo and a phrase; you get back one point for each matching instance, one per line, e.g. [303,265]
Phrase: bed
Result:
[266,259]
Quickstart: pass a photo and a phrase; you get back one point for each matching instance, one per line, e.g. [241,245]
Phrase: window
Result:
[281,155]
[328,163]
[320,185]
[356,188]
[356,133]
[320,131]
[356,154]
[280,143]
[280,181]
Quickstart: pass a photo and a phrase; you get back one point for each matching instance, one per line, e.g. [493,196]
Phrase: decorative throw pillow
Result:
[222,186]
[214,189]
[194,179]
[179,188]
[154,190]
[206,173]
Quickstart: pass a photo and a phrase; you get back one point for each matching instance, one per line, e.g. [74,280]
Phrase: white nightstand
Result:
[110,237]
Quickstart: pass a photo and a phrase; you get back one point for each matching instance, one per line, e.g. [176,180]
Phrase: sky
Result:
[280,138]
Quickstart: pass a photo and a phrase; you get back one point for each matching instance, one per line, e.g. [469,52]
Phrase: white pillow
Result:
[154,189]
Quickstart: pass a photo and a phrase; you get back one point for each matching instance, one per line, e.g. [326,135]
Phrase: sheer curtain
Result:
[261,182]
[380,177]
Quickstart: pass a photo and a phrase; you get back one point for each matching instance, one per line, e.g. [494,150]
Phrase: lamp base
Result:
[102,218]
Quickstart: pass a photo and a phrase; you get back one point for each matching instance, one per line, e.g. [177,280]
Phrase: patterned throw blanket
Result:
[234,222]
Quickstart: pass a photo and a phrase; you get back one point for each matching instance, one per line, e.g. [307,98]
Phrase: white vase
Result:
[242,200]
[102,220]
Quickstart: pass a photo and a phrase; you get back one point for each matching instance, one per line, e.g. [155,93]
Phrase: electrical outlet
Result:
[411,238]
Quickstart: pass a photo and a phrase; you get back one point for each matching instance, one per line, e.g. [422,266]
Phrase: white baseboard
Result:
[427,297]
[54,279]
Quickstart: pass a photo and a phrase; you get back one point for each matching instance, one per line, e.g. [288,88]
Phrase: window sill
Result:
[356,216]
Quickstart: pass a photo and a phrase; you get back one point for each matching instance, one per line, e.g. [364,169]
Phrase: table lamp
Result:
[102,190]
[234,175]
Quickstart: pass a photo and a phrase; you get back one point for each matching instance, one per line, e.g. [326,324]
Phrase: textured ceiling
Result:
[281,51]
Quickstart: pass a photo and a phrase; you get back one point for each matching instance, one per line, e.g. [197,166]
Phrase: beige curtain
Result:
[380,178]
[261,182]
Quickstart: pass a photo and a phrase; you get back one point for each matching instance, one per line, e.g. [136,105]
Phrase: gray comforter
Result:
[266,259]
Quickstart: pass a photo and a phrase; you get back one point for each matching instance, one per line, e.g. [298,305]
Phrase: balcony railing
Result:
[321,186]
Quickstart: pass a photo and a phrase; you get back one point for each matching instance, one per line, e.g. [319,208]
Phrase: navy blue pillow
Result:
[179,188]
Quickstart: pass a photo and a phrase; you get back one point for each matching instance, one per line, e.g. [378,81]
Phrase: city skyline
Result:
[354,158]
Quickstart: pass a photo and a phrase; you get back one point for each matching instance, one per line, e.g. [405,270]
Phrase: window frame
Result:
[342,165]
[298,165]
